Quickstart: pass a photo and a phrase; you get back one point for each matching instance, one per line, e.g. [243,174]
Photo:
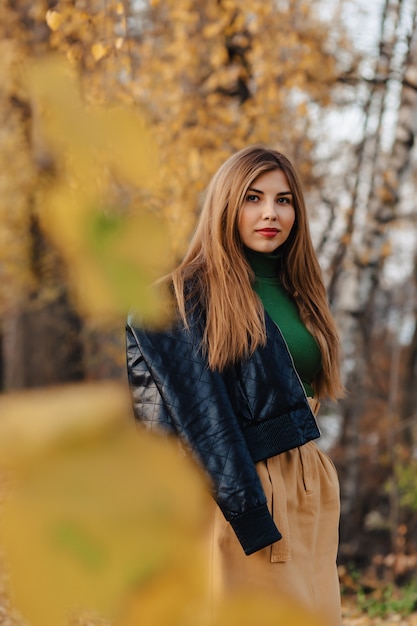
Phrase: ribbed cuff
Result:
[255,529]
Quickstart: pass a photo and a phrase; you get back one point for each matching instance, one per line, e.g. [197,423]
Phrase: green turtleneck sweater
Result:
[283,311]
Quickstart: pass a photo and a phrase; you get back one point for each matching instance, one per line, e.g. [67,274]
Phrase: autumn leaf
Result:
[97,507]
[53,19]
[110,270]
[98,51]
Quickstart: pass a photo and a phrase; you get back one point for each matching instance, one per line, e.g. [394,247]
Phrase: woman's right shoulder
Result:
[157,325]
[174,324]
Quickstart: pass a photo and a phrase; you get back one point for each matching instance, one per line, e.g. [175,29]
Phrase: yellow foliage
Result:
[61,414]
[112,256]
[17,179]
[213,29]
[53,19]
[212,77]
[97,507]
[186,70]
[98,51]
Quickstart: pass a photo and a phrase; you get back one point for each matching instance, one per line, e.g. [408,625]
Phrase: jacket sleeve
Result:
[148,405]
[173,388]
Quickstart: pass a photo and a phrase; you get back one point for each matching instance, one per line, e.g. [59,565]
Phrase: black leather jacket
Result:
[229,420]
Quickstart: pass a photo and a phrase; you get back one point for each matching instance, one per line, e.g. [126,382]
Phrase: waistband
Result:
[279,434]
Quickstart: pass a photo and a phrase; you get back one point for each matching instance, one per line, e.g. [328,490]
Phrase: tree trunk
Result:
[359,267]
[42,340]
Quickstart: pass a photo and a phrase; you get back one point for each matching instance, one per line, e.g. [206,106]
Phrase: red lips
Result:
[268,232]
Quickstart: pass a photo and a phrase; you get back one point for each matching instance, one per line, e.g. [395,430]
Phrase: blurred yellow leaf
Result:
[213,29]
[98,508]
[60,414]
[98,51]
[53,19]
[113,254]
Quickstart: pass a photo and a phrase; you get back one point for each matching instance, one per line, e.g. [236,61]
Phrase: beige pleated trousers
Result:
[302,490]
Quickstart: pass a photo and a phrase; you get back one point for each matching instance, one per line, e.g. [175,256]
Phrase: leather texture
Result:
[218,415]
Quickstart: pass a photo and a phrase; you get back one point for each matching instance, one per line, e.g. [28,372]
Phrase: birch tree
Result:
[358,266]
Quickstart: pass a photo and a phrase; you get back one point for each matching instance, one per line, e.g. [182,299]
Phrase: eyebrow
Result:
[282,193]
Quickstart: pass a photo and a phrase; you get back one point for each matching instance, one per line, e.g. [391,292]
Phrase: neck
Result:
[264,264]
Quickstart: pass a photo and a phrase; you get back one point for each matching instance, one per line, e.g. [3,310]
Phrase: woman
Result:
[239,374]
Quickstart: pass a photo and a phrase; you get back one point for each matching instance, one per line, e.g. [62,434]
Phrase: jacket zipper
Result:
[295,370]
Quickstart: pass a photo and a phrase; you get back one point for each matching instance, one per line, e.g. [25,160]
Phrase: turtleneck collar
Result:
[263,264]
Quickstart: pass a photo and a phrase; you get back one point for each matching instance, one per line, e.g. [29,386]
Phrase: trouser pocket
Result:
[306,469]
[280,550]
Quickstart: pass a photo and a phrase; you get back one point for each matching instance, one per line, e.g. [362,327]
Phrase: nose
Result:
[270,210]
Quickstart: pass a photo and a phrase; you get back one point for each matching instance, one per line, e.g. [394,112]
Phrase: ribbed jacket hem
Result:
[279,434]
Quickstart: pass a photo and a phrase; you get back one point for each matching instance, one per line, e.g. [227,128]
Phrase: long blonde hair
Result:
[215,276]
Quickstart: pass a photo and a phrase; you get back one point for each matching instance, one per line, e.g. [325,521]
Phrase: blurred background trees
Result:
[333,84]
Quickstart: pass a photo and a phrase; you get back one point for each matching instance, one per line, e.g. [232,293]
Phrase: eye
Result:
[252,198]
[283,200]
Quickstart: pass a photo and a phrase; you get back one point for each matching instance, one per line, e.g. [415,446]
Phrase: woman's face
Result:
[268,214]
